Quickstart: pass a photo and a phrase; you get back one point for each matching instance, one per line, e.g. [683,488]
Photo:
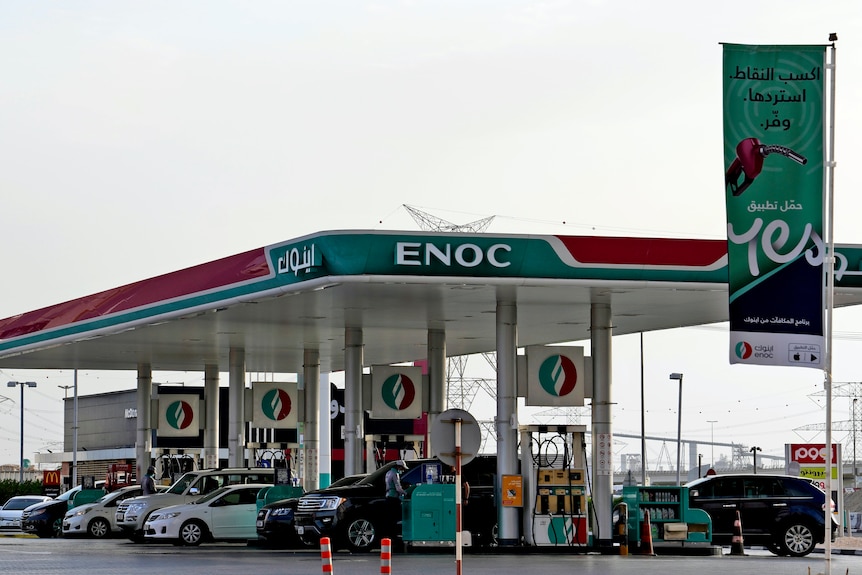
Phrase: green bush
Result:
[10,488]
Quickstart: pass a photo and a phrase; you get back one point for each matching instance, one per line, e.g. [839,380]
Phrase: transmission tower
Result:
[853,391]
[431,223]
[461,390]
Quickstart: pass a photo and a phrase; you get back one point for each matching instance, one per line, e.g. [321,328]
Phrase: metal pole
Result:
[75,434]
[679,434]
[855,399]
[21,467]
[829,269]
[712,423]
[643,418]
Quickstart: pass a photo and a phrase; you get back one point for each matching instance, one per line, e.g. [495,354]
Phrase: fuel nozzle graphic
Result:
[749,162]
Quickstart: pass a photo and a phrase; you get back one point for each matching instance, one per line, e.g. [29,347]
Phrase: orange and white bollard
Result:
[385,556]
[326,554]
[737,546]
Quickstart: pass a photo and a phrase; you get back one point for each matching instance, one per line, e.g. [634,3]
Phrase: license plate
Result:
[300,529]
[120,516]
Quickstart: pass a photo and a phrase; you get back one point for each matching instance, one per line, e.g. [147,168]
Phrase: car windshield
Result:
[210,496]
[182,483]
[19,504]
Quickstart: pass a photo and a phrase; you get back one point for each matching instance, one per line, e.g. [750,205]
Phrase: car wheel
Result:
[797,539]
[360,534]
[57,527]
[192,532]
[99,528]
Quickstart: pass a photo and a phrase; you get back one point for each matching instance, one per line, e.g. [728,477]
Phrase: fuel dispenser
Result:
[172,464]
[382,448]
[428,511]
[554,468]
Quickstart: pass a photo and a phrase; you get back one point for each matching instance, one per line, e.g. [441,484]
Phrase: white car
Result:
[10,513]
[228,513]
[98,519]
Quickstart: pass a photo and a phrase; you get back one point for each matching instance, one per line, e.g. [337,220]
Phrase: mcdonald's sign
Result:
[51,478]
[51,481]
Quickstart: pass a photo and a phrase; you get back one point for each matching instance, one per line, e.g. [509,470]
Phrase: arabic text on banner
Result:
[774,181]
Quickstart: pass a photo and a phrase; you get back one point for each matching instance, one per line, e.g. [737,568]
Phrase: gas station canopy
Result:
[279,300]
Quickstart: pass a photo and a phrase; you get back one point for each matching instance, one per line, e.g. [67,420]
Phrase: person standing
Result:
[148,484]
[394,490]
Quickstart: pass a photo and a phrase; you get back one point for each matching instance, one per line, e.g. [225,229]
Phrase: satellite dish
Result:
[443,436]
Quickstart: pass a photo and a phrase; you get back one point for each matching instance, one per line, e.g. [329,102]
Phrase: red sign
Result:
[812,453]
[51,478]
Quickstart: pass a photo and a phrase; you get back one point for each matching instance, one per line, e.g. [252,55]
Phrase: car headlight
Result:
[135,508]
[169,515]
[332,502]
[78,512]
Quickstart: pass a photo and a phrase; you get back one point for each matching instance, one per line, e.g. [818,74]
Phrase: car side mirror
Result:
[194,491]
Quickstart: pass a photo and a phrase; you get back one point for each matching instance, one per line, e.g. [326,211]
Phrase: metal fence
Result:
[14,475]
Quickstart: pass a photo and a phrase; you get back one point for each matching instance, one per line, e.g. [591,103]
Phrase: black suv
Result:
[275,520]
[358,516]
[781,512]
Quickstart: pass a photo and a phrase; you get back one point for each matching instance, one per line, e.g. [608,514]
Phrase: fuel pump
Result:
[171,464]
[380,449]
[554,467]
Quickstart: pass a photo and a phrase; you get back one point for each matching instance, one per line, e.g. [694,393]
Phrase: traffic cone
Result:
[646,535]
[736,546]
[326,555]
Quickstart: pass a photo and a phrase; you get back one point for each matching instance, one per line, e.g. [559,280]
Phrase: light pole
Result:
[678,376]
[712,423]
[754,451]
[21,384]
[855,399]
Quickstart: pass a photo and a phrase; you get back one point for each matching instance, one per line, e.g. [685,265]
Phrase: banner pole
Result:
[829,265]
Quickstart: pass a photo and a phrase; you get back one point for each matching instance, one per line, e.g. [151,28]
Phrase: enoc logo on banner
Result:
[555,376]
[178,415]
[396,392]
[275,405]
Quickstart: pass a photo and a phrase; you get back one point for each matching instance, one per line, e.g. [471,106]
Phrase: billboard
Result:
[773,104]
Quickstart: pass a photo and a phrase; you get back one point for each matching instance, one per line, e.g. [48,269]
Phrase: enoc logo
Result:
[561,530]
[179,414]
[558,375]
[276,404]
[398,391]
[743,350]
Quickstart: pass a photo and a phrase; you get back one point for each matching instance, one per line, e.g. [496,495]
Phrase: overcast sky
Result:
[141,138]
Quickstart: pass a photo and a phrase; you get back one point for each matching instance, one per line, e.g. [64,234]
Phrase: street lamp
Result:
[678,376]
[754,451]
[21,384]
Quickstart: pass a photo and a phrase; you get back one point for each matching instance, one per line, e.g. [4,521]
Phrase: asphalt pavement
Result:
[28,555]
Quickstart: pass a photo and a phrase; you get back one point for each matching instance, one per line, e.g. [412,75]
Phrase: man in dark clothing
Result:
[148,484]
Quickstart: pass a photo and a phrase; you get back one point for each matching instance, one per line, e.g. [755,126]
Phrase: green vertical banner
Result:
[774,188]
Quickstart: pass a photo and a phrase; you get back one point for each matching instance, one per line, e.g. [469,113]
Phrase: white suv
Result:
[132,513]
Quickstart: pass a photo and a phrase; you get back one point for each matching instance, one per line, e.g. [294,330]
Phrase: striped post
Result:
[325,555]
[458,535]
[385,556]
